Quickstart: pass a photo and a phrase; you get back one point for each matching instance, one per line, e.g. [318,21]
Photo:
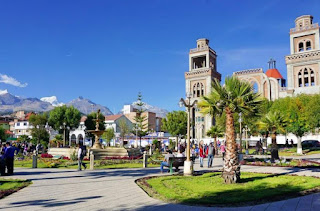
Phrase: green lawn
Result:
[9,186]
[287,152]
[67,164]
[209,189]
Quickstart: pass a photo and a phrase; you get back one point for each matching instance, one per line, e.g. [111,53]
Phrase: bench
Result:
[177,162]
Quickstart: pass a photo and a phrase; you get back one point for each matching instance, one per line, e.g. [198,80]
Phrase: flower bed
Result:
[300,163]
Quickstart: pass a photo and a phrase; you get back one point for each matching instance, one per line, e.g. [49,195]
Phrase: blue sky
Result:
[108,51]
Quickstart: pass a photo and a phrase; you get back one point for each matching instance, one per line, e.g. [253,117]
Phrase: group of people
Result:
[7,153]
[202,152]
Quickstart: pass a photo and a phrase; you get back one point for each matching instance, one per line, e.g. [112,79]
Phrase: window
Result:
[308,45]
[25,124]
[18,124]
[202,90]
[306,77]
[301,48]
[312,78]
[198,90]
[202,119]
[300,79]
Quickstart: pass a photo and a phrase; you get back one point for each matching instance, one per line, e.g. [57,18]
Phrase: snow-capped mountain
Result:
[53,100]
[2,92]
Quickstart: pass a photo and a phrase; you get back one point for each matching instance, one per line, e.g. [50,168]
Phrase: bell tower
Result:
[304,60]
[202,71]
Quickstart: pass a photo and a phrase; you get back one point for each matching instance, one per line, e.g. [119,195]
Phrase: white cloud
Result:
[12,81]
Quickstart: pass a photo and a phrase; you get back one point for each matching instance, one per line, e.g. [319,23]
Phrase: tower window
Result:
[202,90]
[300,79]
[199,62]
[301,48]
[312,78]
[306,77]
[308,45]
[198,90]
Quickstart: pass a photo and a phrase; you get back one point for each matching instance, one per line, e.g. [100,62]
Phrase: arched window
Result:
[308,45]
[202,90]
[194,90]
[306,77]
[300,79]
[198,90]
[301,48]
[312,78]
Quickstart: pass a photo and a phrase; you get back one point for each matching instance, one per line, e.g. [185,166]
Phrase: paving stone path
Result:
[62,189]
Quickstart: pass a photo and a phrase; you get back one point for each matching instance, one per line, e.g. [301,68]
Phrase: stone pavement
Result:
[61,189]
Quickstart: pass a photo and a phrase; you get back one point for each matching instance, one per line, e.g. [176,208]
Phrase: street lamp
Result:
[246,129]
[240,121]
[188,165]
[64,133]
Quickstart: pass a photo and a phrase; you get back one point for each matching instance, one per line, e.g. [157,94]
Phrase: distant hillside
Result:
[86,106]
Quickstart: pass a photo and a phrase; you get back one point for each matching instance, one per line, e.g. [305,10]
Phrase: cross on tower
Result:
[272,64]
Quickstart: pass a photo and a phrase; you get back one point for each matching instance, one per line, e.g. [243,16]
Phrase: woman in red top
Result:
[201,155]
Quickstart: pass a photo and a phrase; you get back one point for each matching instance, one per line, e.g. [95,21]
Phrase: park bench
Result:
[177,162]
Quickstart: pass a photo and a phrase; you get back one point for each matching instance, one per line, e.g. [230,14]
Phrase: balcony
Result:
[194,50]
[303,57]
[304,28]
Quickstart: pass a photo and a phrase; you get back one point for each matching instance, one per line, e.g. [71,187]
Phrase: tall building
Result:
[202,71]
[303,64]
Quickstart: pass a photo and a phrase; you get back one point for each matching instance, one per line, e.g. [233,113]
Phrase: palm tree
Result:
[214,132]
[234,97]
[272,123]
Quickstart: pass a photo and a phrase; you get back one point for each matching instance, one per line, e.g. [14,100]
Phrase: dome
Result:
[274,73]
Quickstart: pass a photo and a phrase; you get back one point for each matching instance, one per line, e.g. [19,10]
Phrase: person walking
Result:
[223,150]
[210,153]
[82,151]
[9,157]
[201,155]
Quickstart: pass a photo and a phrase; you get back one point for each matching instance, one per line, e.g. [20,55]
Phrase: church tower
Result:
[303,63]
[202,71]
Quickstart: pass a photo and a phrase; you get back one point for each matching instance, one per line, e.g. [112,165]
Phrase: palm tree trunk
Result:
[215,145]
[231,168]
[274,148]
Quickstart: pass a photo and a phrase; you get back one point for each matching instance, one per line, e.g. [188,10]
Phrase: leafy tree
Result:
[40,135]
[273,122]
[109,135]
[124,130]
[140,127]
[24,138]
[61,115]
[175,123]
[3,135]
[38,119]
[214,132]
[234,97]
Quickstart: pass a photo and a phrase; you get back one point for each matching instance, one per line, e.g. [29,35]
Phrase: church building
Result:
[303,65]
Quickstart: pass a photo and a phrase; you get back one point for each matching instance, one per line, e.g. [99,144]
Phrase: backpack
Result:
[83,151]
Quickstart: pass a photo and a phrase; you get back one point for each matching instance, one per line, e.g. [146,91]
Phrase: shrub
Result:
[74,156]
[46,155]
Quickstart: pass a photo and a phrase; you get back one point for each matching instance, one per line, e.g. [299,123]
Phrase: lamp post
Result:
[246,129]
[240,121]
[188,165]
[64,127]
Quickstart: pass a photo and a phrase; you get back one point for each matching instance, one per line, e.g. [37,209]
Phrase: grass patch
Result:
[209,189]
[9,186]
[68,164]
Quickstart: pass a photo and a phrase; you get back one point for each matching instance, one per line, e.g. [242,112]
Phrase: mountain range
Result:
[10,103]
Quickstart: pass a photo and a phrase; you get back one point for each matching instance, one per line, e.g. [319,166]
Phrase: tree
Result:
[140,128]
[61,115]
[109,135]
[90,122]
[273,122]
[38,119]
[124,130]
[175,123]
[214,132]
[24,138]
[234,97]
[3,135]
[40,135]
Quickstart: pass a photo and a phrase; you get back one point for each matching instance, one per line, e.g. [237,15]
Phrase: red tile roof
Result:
[274,73]
[113,117]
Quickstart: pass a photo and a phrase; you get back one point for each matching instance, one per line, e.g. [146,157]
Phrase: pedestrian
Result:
[9,157]
[291,143]
[2,164]
[165,161]
[201,155]
[210,152]
[82,151]
[223,150]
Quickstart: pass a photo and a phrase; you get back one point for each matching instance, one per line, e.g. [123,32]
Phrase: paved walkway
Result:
[57,189]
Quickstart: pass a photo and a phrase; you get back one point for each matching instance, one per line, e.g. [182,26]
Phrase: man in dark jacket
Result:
[210,152]
[9,157]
